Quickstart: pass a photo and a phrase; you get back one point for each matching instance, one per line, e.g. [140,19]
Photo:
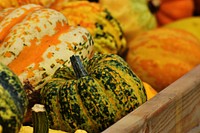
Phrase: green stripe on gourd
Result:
[9,118]
[114,66]
[105,91]
[13,101]
[97,103]
[13,85]
[105,29]
[108,36]
[51,98]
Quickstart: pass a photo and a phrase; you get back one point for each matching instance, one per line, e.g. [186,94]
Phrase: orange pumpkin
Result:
[167,11]
[161,56]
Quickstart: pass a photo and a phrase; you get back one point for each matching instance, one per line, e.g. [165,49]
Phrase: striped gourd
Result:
[35,41]
[161,56]
[104,28]
[134,16]
[13,101]
[92,96]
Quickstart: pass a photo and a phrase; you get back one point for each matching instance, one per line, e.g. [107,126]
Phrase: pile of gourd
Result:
[90,63]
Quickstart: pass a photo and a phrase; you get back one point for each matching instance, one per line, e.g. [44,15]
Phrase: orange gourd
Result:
[167,11]
[161,56]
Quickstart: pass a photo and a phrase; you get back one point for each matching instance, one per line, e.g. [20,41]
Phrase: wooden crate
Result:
[176,109]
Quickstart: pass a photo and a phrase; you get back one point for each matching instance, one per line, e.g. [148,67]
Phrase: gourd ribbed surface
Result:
[93,102]
[35,41]
[105,29]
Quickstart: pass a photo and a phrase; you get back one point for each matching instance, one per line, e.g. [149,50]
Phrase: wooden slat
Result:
[176,109]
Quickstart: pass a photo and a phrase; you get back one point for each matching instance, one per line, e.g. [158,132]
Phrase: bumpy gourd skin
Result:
[13,101]
[95,101]
[35,41]
[105,29]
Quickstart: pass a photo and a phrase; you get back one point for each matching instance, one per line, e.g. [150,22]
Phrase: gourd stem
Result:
[39,118]
[78,66]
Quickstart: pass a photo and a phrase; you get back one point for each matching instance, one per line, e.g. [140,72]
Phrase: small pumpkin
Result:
[105,29]
[161,56]
[13,101]
[167,11]
[92,95]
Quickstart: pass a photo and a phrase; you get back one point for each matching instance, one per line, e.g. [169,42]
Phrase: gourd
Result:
[133,15]
[92,95]
[161,56]
[35,41]
[167,11]
[39,41]
[105,29]
[13,101]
